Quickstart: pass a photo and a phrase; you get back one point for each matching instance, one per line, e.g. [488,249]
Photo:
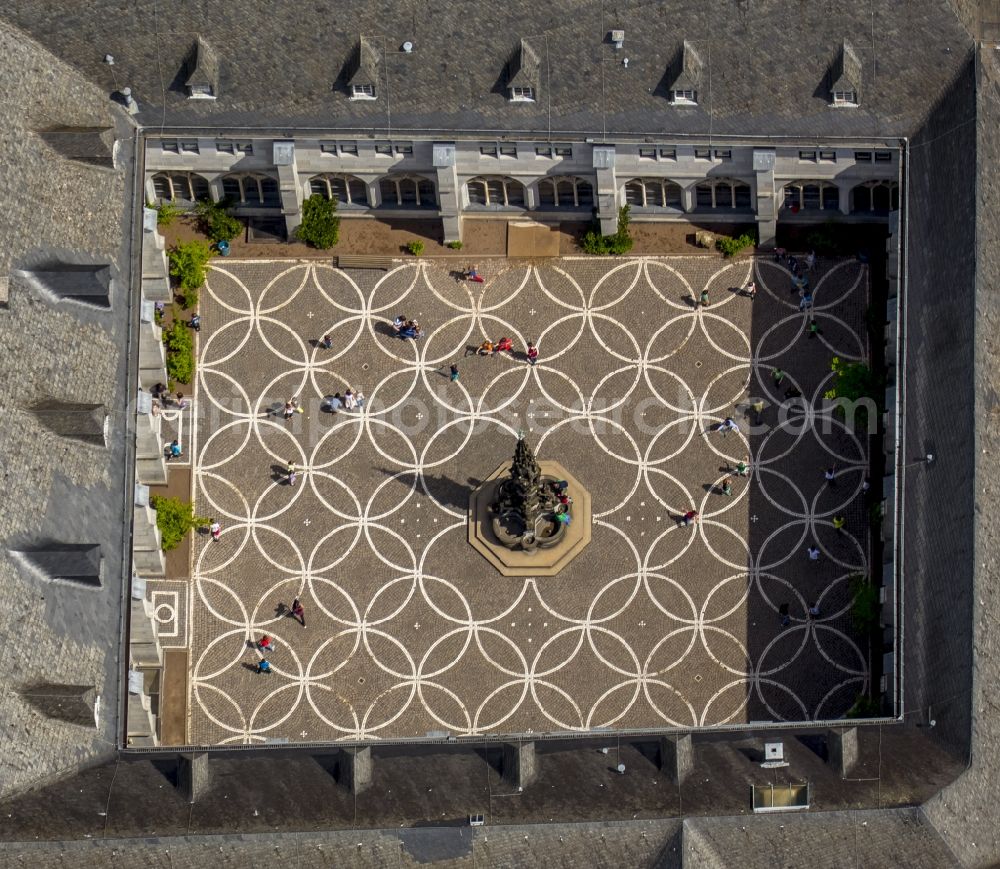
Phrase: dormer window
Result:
[362,72]
[845,77]
[202,72]
[687,97]
[684,76]
[523,74]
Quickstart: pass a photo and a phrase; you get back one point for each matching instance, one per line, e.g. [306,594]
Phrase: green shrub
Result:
[320,225]
[733,246]
[609,245]
[216,221]
[865,605]
[187,264]
[174,518]
[855,381]
[415,247]
[180,351]
[166,213]
[864,707]
[455,245]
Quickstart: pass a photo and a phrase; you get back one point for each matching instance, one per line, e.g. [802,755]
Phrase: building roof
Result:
[764,72]
[62,516]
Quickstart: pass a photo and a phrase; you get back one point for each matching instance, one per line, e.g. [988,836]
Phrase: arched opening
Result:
[407,191]
[565,191]
[181,188]
[251,189]
[722,193]
[346,189]
[811,196]
[654,193]
[875,197]
[495,192]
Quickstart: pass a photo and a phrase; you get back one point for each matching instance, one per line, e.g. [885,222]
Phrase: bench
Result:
[364,262]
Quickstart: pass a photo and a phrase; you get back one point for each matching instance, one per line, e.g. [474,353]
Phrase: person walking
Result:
[182,402]
[359,398]
[298,612]
[196,322]
[326,342]
[810,260]
[454,373]
[291,472]
[265,645]
[532,354]
[830,475]
[777,375]
[758,409]
[689,518]
[350,402]
[814,611]
[263,666]
[814,329]
[486,348]
[751,290]
[783,612]
[727,486]
[838,524]
[805,300]
[813,553]
[215,529]
[174,450]
[728,425]
[743,467]
[703,298]
[289,410]
[504,345]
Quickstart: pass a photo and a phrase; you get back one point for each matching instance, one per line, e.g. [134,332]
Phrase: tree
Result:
[187,264]
[216,221]
[320,225]
[175,518]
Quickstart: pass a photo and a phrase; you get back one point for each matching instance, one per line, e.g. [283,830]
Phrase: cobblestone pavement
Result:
[408,630]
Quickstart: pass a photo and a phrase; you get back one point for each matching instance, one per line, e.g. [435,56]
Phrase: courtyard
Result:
[409,633]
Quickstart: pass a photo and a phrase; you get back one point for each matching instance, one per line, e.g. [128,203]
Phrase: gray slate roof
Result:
[766,71]
[58,490]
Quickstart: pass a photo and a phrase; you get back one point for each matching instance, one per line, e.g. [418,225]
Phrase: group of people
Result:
[406,328]
[265,645]
[350,400]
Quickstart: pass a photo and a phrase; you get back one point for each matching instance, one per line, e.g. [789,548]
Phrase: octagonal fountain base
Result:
[538,562]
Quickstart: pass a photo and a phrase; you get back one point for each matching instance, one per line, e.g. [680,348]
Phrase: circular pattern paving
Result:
[409,631]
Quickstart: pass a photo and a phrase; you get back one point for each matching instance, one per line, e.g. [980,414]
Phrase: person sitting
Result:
[473,275]
[326,343]
[408,332]
[486,348]
[174,450]
[264,666]
[504,345]
[399,323]
[562,515]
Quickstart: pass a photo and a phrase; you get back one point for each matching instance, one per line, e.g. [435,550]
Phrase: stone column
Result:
[842,748]
[607,188]
[677,757]
[215,189]
[288,184]
[766,208]
[519,768]
[688,197]
[845,196]
[193,775]
[356,769]
[449,191]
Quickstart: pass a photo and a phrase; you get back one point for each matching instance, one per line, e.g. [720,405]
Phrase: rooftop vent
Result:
[618,38]
[408,47]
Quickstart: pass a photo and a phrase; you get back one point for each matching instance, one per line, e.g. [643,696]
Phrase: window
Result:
[883,156]
[171,146]
[508,150]
[653,193]
[563,151]
[404,149]
[875,196]
[827,156]
[565,192]
[495,191]
[702,153]
[487,150]
[328,147]
[522,94]
[807,156]
[723,154]
[252,189]
[845,98]
[812,196]
[363,92]
[407,191]
[723,193]
[180,187]
[647,153]
[862,156]
[225,147]
[383,149]
[189,147]
[346,189]
[543,150]
[684,97]
[668,153]
[348,149]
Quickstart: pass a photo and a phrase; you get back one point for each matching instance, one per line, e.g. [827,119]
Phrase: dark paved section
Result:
[285,65]
[409,631]
[941,323]
[58,490]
